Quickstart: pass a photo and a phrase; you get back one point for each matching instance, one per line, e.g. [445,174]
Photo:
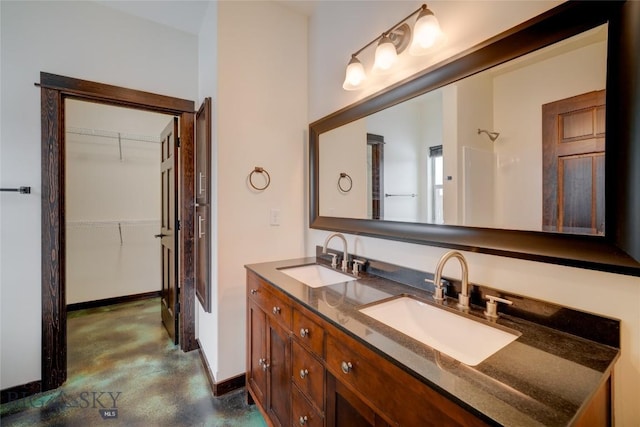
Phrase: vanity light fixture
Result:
[426,33]
[386,55]
[492,135]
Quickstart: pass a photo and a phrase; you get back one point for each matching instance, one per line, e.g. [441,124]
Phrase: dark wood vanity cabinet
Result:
[303,371]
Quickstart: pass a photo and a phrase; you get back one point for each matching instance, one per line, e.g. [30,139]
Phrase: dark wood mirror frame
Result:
[618,251]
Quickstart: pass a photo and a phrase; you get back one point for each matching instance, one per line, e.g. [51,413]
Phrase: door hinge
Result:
[177,307]
[178,224]
[178,142]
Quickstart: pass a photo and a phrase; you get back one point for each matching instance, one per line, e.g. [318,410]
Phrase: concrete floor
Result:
[124,371]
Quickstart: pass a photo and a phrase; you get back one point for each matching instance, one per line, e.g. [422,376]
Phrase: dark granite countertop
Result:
[544,378]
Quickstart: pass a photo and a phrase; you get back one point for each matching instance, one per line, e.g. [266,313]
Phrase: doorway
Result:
[55,90]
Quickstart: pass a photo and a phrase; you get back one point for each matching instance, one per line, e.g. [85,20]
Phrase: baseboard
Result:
[111,301]
[223,387]
[20,391]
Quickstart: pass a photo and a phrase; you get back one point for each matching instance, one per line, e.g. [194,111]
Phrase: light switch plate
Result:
[274,217]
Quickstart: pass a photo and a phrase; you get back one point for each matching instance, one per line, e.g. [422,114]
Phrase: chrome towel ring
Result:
[346,177]
[260,170]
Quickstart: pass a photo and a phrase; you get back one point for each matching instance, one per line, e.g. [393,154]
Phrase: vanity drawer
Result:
[349,366]
[275,307]
[304,413]
[308,374]
[397,393]
[309,333]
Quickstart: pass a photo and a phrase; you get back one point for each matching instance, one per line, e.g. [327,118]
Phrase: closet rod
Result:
[139,222]
[112,134]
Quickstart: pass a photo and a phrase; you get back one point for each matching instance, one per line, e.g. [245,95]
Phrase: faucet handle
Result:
[492,306]
[440,288]
[356,266]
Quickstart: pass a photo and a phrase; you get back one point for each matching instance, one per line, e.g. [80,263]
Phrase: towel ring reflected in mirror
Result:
[349,183]
[259,170]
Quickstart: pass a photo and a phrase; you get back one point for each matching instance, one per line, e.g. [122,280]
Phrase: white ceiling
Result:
[185,15]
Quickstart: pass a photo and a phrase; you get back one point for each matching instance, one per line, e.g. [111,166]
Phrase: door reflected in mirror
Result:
[435,158]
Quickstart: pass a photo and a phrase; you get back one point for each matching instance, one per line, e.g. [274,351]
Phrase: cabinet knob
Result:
[303,373]
[346,367]
[303,420]
[304,332]
[253,291]
[276,310]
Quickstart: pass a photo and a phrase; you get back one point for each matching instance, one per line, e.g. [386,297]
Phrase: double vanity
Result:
[381,345]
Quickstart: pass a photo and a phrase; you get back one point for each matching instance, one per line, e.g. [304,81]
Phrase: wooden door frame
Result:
[54,90]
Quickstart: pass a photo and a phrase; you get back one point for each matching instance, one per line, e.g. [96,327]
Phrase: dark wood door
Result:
[169,229]
[257,352]
[573,157]
[279,374]
[375,148]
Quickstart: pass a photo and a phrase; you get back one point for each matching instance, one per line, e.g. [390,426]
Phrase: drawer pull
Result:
[304,373]
[276,310]
[253,291]
[346,367]
[303,420]
[304,332]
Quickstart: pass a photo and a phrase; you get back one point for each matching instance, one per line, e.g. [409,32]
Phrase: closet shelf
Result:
[112,134]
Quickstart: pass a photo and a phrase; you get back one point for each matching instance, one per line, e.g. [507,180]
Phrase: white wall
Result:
[82,40]
[474,151]
[207,323]
[346,148]
[338,29]
[261,121]
[112,201]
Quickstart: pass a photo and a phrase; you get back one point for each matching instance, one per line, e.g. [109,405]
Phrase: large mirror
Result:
[500,150]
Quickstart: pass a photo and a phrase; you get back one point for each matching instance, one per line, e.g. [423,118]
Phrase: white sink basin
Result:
[315,275]
[463,339]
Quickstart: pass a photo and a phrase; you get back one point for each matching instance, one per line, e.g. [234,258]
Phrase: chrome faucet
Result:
[345,259]
[463,297]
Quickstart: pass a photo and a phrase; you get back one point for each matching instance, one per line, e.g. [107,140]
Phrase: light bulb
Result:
[426,33]
[386,54]
[355,75]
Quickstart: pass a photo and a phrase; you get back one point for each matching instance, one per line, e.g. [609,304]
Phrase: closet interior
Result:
[113,202]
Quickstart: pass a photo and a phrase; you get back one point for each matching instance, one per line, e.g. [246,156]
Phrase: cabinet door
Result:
[256,352]
[203,153]
[345,409]
[279,374]
[202,258]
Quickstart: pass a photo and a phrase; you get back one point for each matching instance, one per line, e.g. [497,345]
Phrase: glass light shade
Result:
[386,55]
[426,32]
[355,75]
